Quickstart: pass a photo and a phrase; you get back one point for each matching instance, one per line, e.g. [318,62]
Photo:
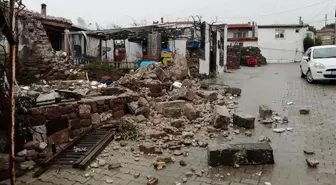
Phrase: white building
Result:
[281,43]
[243,34]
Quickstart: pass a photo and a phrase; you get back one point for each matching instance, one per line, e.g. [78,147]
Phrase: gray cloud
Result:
[123,12]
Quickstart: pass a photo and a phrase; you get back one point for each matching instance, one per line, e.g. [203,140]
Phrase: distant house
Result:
[282,43]
[327,36]
[243,34]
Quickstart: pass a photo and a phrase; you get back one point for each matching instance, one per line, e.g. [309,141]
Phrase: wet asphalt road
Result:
[276,85]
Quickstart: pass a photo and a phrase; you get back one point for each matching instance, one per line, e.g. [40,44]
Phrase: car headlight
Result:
[319,66]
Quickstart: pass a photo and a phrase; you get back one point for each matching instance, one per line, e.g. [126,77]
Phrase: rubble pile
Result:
[233,57]
[36,57]
[247,52]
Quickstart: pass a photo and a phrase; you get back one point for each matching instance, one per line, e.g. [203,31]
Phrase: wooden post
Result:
[12,96]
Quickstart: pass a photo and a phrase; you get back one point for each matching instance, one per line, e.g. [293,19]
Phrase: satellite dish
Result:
[81,23]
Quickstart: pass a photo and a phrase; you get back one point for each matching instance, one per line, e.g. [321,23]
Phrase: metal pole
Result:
[12,97]
[335,27]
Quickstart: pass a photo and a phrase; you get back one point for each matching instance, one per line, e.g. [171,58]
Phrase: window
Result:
[326,37]
[239,35]
[279,34]
[324,52]
[308,53]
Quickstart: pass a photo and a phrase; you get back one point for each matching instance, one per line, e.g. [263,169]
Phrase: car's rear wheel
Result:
[309,77]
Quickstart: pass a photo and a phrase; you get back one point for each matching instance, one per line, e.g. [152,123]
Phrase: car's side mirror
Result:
[306,58]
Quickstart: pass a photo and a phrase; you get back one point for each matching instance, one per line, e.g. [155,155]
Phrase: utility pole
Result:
[12,93]
[326,19]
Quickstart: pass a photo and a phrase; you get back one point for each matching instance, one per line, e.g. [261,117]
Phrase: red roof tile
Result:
[239,26]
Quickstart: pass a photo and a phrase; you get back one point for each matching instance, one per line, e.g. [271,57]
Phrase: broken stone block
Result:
[147,148]
[242,154]
[133,106]
[204,85]
[172,109]
[178,123]
[159,165]
[143,102]
[221,117]
[187,83]
[243,120]
[211,96]
[157,134]
[27,165]
[31,145]
[304,111]
[166,159]
[309,151]
[233,91]
[190,112]
[185,94]
[265,112]
[312,163]
[161,74]
[279,130]
[140,118]
[95,119]
[143,111]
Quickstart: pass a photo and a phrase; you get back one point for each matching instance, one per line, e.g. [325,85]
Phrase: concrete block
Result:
[221,117]
[242,154]
[243,120]
[265,112]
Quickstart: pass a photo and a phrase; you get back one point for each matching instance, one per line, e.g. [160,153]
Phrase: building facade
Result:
[243,34]
[327,36]
[282,43]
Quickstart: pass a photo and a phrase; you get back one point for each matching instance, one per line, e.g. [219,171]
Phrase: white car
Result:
[319,63]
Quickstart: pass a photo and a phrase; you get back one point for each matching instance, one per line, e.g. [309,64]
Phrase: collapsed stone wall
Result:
[63,121]
[36,57]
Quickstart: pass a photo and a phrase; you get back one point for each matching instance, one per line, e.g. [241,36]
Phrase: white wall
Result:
[204,65]
[225,44]
[178,46]
[281,50]
[132,48]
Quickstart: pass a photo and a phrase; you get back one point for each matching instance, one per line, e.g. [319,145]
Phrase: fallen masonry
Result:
[243,120]
[221,117]
[241,154]
[265,112]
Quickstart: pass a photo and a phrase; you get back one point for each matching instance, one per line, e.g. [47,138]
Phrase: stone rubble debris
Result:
[312,163]
[309,151]
[304,111]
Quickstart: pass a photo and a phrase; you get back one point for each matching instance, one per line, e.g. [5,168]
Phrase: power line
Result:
[276,13]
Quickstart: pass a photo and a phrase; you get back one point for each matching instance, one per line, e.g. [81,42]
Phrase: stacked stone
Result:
[255,52]
[233,57]
[78,116]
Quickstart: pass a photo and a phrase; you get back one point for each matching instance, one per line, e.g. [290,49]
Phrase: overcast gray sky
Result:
[123,12]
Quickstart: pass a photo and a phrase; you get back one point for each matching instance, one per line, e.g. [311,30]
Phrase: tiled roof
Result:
[42,17]
[281,26]
[239,26]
